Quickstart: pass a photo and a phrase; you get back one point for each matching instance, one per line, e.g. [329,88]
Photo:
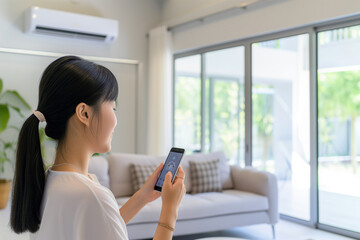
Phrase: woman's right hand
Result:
[173,193]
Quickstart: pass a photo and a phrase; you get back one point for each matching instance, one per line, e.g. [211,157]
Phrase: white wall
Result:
[266,17]
[136,18]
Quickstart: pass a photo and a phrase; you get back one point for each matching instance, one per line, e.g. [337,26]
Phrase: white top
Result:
[76,207]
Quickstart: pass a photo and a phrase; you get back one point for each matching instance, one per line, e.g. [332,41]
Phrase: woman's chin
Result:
[105,149]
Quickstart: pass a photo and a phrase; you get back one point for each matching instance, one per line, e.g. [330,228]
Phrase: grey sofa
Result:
[248,197]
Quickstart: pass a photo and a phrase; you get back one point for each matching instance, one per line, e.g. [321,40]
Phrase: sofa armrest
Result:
[259,182]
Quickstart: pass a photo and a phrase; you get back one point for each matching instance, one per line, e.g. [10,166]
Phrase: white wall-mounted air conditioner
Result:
[48,21]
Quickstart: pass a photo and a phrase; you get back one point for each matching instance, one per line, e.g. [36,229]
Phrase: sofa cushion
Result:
[99,166]
[119,171]
[140,173]
[225,173]
[120,180]
[204,205]
[205,176]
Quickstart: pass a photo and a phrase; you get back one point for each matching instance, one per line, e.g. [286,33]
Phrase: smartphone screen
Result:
[171,164]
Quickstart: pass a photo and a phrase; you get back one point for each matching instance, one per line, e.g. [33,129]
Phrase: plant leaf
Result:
[13,98]
[8,145]
[1,85]
[4,117]
[42,135]
[18,110]
[7,160]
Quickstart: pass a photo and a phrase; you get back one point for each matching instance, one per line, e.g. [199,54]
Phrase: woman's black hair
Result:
[65,83]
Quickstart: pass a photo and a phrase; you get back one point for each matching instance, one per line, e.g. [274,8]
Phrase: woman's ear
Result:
[83,113]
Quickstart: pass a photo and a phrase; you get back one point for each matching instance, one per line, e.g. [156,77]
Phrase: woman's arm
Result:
[167,218]
[145,195]
[131,207]
[172,194]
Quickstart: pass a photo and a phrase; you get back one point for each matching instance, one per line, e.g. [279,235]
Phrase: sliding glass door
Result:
[302,104]
[209,103]
[280,119]
[339,127]
[224,103]
[187,109]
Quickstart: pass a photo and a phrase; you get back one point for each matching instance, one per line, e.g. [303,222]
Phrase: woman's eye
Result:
[114,109]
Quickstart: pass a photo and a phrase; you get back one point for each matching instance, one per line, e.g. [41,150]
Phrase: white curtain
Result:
[159,127]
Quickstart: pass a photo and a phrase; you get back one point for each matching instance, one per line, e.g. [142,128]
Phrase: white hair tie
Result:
[39,116]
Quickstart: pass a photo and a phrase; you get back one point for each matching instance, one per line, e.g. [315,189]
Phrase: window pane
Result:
[225,110]
[280,119]
[187,120]
[339,127]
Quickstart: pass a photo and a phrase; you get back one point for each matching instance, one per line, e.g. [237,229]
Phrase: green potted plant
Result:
[10,102]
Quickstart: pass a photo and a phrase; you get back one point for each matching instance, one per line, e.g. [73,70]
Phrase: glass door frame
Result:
[212,81]
[311,30]
[313,113]
[247,43]
[203,76]
[328,27]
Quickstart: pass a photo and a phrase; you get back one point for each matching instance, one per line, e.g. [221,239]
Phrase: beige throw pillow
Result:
[140,173]
[205,176]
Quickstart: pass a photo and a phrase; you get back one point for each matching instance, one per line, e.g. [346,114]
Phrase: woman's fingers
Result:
[154,176]
[158,170]
[167,182]
[156,173]
[181,174]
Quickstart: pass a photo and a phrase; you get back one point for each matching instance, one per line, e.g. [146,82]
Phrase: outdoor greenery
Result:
[339,97]
[228,116]
[188,113]
[263,119]
[10,102]
[227,132]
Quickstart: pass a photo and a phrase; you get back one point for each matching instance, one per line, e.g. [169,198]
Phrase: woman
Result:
[77,101]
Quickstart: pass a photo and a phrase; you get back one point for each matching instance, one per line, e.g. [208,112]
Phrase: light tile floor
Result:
[285,230]
[5,231]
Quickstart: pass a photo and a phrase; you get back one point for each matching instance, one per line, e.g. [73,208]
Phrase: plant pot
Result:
[5,186]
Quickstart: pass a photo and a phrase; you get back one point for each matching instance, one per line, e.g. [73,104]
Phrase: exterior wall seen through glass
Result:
[280,119]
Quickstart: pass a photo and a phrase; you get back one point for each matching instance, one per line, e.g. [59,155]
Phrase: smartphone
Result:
[171,164]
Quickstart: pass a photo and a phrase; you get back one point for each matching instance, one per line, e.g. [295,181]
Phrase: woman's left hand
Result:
[147,192]
[145,195]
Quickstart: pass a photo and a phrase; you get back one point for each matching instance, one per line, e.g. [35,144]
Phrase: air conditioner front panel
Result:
[46,21]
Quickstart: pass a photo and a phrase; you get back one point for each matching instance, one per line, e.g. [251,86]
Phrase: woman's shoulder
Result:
[72,196]
[73,186]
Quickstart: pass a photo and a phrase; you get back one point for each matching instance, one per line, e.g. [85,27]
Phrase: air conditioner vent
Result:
[72,34]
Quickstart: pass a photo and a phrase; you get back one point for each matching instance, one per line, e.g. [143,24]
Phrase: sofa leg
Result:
[273,231]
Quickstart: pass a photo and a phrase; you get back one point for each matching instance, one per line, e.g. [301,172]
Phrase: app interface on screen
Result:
[171,164]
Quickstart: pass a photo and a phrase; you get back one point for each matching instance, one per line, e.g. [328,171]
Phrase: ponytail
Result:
[29,179]
[65,83]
